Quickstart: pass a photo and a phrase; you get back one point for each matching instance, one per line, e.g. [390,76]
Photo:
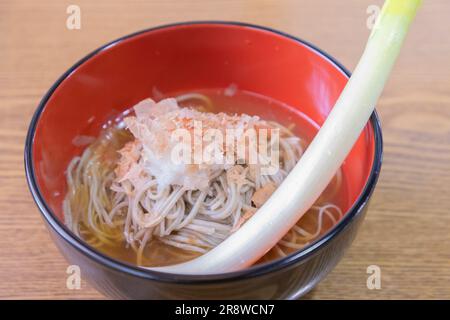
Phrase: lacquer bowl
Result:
[184,57]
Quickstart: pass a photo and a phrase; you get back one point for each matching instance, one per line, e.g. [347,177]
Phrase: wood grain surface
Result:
[407,229]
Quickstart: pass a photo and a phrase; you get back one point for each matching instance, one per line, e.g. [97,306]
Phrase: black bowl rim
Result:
[254,271]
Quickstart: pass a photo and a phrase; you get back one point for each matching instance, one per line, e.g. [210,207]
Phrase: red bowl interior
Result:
[181,58]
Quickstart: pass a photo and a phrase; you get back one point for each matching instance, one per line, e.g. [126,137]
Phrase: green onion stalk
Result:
[323,157]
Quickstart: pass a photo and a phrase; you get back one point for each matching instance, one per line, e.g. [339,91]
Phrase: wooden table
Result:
[407,230]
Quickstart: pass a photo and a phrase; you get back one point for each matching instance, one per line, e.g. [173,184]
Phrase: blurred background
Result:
[407,229]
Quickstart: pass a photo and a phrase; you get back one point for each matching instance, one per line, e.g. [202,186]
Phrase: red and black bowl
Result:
[183,57]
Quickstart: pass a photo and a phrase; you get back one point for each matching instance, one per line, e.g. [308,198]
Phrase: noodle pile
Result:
[122,190]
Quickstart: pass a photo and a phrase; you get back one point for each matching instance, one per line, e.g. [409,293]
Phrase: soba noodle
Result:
[107,207]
